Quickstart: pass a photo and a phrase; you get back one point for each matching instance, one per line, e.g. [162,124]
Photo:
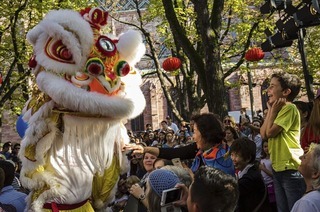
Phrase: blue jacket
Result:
[215,157]
[10,196]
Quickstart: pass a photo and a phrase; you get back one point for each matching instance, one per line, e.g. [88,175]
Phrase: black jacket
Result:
[185,152]
[252,191]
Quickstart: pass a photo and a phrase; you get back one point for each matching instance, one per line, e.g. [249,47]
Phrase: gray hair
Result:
[315,149]
[182,173]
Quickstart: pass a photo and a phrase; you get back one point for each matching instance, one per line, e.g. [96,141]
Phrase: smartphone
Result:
[170,195]
[177,162]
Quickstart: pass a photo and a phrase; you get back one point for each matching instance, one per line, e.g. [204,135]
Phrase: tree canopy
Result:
[210,37]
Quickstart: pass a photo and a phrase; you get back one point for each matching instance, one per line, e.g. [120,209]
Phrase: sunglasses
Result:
[227,121]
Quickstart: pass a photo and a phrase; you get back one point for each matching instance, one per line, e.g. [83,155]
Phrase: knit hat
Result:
[161,180]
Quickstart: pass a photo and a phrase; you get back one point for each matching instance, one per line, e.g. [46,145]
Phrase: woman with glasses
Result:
[229,121]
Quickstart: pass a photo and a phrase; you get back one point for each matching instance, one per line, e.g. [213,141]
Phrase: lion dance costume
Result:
[87,87]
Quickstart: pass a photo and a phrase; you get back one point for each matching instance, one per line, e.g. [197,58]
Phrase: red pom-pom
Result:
[85,11]
[32,62]
[98,16]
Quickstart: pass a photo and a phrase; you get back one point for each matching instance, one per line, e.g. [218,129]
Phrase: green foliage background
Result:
[17,18]
[242,27]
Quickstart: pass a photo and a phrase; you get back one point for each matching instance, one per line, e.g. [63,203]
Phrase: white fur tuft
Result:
[79,100]
[131,47]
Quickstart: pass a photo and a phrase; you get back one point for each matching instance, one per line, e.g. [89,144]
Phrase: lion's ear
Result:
[62,41]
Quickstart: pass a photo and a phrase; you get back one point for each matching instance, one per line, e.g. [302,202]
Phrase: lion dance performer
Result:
[87,86]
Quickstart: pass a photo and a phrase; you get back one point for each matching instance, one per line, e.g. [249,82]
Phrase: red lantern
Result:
[171,64]
[254,54]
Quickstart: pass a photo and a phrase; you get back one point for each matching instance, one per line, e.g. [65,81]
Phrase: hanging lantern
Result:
[171,64]
[254,54]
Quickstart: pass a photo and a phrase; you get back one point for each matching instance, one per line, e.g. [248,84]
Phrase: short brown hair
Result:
[288,81]
[210,127]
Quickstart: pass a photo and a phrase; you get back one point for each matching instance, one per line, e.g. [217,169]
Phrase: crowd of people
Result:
[268,163]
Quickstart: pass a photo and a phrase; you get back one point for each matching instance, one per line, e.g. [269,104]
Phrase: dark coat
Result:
[252,191]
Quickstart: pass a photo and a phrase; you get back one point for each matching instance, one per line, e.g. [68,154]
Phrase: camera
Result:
[168,197]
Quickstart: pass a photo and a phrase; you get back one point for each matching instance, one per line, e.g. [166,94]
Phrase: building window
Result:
[137,124]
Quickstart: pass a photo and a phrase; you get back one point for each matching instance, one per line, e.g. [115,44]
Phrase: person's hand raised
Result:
[278,104]
[184,196]
[133,148]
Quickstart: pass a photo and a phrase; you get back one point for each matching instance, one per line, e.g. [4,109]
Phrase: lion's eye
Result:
[106,46]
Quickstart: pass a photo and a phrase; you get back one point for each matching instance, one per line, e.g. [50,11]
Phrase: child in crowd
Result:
[252,191]
[266,172]
[282,129]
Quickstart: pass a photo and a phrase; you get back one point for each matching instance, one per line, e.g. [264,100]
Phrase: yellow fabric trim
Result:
[55,117]
[103,184]
[30,152]
[85,208]
[38,192]
[38,100]
[38,170]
